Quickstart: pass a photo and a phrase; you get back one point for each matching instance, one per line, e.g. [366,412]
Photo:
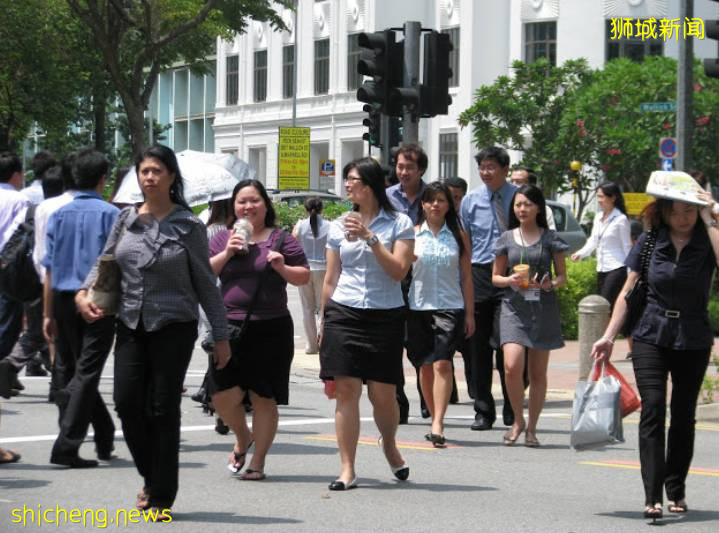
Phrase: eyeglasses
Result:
[351,178]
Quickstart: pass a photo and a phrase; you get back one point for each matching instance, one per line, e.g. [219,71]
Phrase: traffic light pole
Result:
[384,135]
[410,122]
[685,112]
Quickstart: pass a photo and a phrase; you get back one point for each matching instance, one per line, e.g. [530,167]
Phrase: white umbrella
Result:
[206,177]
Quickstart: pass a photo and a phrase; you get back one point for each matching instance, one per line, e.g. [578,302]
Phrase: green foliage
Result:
[581,282]
[288,216]
[559,114]
[333,210]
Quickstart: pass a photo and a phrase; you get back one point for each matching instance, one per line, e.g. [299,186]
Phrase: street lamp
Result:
[575,166]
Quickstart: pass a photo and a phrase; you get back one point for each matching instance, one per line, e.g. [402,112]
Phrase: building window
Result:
[260,91]
[540,40]
[288,74]
[233,79]
[453,55]
[447,155]
[322,66]
[354,80]
[632,47]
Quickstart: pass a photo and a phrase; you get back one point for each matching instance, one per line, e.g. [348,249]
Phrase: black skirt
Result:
[362,343]
[434,335]
[260,361]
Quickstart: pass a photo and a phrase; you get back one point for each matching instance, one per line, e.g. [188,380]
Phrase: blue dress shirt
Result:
[480,221]
[363,283]
[76,235]
[398,198]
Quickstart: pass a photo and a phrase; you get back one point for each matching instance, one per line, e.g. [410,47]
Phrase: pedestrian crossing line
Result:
[634,465]
[372,441]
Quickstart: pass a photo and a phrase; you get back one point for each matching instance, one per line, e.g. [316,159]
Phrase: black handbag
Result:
[636,298]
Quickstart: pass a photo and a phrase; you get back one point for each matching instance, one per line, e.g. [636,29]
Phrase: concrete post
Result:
[593,319]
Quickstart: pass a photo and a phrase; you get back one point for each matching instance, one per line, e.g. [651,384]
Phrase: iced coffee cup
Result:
[356,216]
[523,271]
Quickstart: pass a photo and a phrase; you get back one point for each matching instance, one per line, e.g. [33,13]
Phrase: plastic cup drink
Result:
[243,227]
[523,271]
[355,215]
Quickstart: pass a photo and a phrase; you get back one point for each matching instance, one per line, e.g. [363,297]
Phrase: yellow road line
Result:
[367,441]
[635,466]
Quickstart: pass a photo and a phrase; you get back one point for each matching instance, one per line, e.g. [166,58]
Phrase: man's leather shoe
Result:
[481,424]
[508,417]
[7,379]
[104,453]
[74,462]
[425,412]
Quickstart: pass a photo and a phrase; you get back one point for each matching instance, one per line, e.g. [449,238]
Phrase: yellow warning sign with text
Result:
[294,158]
[636,202]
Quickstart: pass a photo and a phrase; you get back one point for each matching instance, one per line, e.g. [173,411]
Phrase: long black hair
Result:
[314,208]
[167,157]
[221,212]
[534,195]
[270,216]
[371,174]
[611,189]
[452,220]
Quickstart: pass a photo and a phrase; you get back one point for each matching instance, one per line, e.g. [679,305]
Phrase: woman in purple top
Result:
[260,361]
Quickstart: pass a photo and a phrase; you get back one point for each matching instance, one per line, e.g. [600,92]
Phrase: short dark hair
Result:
[41,161]
[89,168]
[534,195]
[9,164]
[531,174]
[414,152]
[457,183]
[270,215]
[497,153]
[52,181]
[68,182]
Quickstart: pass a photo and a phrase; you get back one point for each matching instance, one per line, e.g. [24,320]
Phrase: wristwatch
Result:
[713,223]
[371,241]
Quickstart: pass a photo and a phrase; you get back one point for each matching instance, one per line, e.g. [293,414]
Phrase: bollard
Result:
[593,319]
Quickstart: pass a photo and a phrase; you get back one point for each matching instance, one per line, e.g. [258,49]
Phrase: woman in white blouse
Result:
[611,239]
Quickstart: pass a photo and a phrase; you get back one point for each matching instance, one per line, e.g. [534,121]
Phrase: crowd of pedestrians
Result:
[423,268]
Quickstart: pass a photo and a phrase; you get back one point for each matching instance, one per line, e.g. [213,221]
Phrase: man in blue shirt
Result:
[76,235]
[484,214]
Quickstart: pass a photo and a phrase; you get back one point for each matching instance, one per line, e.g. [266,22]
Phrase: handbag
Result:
[636,297]
[628,399]
[596,413]
[106,289]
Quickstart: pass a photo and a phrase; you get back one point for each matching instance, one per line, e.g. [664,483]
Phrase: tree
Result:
[40,79]
[137,39]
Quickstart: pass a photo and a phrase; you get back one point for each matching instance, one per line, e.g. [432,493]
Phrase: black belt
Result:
[482,266]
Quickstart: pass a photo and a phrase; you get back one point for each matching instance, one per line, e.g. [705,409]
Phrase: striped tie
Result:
[499,211]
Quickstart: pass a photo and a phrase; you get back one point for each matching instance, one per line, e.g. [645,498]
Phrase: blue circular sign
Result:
[668,147]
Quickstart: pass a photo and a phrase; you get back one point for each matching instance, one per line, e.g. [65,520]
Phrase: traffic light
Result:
[372,122]
[381,58]
[711,66]
[436,98]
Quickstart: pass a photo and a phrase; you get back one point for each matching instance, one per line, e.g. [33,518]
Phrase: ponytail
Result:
[314,208]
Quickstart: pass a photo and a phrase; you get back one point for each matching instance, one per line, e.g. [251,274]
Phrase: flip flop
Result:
[252,475]
[237,460]
[8,456]
[678,507]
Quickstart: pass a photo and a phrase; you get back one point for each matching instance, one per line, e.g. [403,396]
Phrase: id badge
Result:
[531,295]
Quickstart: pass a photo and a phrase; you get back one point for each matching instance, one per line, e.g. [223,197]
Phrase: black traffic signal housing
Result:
[372,123]
[711,31]
[381,58]
[436,99]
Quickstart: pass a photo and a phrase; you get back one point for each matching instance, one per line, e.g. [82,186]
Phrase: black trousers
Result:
[10,324]
[609,284]
[149,370]
[82,350]
[652,365]
[31,341]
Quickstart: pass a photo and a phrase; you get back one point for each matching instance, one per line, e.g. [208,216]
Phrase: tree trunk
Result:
[99,111]
[136,123]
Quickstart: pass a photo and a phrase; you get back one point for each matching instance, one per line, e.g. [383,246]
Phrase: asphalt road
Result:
[475,484]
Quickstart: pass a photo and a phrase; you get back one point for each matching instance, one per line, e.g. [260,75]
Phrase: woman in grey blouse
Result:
[161,249]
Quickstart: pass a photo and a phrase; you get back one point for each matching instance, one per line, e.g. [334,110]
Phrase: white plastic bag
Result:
[596,413]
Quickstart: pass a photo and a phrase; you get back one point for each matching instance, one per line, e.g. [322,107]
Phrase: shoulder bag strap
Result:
[263,278]
[647,251]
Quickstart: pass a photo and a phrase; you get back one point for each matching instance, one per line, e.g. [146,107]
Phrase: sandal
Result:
[653,511]
[143,499]
[252,475]
[8,456]
[510,439]
[530,440]
[237,459]
[438,441]
[678,507]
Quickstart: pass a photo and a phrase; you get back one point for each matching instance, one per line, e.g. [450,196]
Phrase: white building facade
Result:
[255,86]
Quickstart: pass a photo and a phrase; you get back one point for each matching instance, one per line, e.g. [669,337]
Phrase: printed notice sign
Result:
[294,158]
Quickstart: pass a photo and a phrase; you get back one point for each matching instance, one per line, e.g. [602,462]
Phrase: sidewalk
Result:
[561,376]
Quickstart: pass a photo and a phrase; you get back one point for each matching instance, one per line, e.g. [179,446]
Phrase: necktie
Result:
[499,211]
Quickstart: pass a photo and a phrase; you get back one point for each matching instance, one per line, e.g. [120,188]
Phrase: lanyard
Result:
[541,249]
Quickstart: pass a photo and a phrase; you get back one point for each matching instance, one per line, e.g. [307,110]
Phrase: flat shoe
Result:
[401,472]
[438,441]
[678,507]
[338,484]
[510,439]
[252,475]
